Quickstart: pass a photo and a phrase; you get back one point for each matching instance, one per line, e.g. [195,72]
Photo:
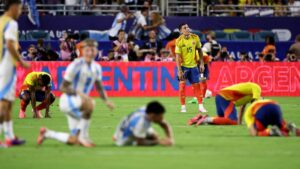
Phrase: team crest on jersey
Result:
[194,43]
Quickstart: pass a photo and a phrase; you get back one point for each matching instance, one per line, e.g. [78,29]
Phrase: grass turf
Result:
[224,147]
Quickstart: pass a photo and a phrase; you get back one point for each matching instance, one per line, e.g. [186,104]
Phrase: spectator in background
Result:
[68,48]
[171,45]
[31,53]
[224,56]
[41,50]
[244,57]
[139,26]
[211,47]
[158,23]
[291,57]
[151,48]
[119,22]
[165,56]
[83,36]
[296,47]
[294,7]
[120,47]
[270,46]
[133,49]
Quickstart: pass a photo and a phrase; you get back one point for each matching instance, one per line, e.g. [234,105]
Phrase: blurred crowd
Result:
[271,7]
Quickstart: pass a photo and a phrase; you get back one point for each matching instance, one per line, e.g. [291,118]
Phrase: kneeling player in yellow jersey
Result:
[227,98]
[36,87]
[264,113]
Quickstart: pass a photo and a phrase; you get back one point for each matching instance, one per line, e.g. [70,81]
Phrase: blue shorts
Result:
[40,95]
[191,74]
[225,108]
[269,114]
[206,71]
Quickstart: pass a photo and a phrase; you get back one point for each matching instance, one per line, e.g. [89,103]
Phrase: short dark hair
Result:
[144,9]
[9,3]
[181,25]
[46,79]
[121,30]
[155,107]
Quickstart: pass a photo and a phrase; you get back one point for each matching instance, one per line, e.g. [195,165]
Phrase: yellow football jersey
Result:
[253,108]
[31,79]
[186,48]
[241,93]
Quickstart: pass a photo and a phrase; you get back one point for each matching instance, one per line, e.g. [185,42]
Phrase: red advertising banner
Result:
[160,78]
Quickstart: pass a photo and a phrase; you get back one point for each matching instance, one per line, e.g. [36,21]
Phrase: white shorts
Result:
[8,79]
[129,141]
[71,104]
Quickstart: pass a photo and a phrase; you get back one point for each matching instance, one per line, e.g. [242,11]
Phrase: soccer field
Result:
[211,147]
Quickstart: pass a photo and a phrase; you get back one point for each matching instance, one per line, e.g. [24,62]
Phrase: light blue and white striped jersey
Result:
[83,75]
[113,32]
[135,125]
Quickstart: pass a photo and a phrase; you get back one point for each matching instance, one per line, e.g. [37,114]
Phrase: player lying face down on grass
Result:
[264,118]
[79,79]
[226,99]
[36,87]
[186,48]
[135,129]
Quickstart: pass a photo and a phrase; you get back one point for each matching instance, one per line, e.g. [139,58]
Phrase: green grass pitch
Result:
[207,147]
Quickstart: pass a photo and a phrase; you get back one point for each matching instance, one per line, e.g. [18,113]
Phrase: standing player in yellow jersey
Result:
[36,87]
[9,55]
[227,98]
[262,114]
[187,45]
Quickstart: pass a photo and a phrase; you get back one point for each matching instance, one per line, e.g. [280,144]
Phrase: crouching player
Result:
[79,79]
[264,113]
[36,87]
[135,129]
[227,98]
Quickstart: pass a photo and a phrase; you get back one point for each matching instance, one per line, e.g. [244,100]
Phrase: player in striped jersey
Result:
[79,79]
[9,55]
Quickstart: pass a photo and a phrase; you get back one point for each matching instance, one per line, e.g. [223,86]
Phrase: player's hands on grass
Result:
[110,105]
[24,64]
[166,142]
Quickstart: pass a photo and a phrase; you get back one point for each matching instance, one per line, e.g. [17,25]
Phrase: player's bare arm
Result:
[11,46]
[252,130]
[48,92]
[66,88]
[201,66]
[146,142]
[179,70]
[103,95]
[169,141]
[33,100]
[241,114]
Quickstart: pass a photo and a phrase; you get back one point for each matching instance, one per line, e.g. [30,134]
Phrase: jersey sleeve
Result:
[70,72]
[29,79]
[177,48]
[256,90]
[98,73]
[198,43]
[11,31]
[139,130]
